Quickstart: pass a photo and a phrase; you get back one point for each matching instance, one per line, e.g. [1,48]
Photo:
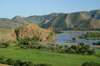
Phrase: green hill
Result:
[76,20]
[83,19]
[19,21]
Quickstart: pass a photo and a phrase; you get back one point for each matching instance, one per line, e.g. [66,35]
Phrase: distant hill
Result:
[82,19]
[19,21]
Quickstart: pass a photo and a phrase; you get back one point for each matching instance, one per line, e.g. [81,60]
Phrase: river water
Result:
[65,38]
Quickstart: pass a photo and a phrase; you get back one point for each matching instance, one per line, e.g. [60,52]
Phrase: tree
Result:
[74,47]
[90,64]
[27,46]
[10,62]
[51,48]
[57,46]
[66,46]
[61,47]
[2,57]
[81,44]
[91,52]
[86,47]
[74,39]
[22,47]
[6,44]
[94,43]
[19,62]
[30,64]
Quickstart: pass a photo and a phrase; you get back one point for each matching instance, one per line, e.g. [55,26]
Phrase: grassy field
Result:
[40,56]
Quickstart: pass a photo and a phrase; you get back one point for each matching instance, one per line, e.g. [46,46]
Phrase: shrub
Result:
[45,64]
[22,47]
[2,58]
[10,61]
[74,47]
[81,44]
[66,46]
[94,43]
[6,44]
[90,64]
[30,64]
[74,38]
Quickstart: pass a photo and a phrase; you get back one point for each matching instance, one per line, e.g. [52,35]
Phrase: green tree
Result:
[30,64]
[94,43]
[74,47]
[81,44]
[2,58]
[74,39]
[10,61]
[66,46]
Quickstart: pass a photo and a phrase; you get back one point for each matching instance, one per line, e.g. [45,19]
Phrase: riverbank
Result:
[76,36]
[77,31]
[61,33]
[69,44]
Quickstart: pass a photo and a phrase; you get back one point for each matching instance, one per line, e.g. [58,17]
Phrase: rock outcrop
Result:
[32,30]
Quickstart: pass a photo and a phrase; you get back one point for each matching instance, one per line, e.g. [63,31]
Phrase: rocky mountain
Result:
[30,31]
[82,19]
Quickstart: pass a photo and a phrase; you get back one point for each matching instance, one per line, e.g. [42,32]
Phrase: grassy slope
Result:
[40,56]
[5,34]
[73,20]
[94,14]
[19,21]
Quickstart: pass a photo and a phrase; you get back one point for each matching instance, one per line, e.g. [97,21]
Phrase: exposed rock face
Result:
[50,28]
[32,30]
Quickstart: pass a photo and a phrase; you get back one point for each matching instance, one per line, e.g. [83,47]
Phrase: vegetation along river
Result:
[65,38]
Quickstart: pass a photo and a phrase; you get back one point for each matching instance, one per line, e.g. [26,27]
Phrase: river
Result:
[65,38]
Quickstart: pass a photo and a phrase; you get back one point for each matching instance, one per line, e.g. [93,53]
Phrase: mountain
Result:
[94,14]
[84,19]
[19,21]
[30,31]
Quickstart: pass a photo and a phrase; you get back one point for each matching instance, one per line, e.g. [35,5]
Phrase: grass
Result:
[40,56]
[4,65]
[61,33]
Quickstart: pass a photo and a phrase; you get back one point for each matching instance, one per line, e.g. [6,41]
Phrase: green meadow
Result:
[40,56]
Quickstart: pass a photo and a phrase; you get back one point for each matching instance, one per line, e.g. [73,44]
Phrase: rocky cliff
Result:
[32,30]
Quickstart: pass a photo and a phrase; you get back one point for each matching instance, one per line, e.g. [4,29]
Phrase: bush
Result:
[22,47]
[74,47]
[45,64]
[2,58]
[94,43]
[90,64]
[30,64]
[74,39]
[6,44]
[81,44]
[10,61]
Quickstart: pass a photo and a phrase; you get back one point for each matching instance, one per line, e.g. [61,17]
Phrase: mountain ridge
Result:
[56,20]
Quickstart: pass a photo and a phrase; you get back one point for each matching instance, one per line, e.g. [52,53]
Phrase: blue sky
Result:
[25,8]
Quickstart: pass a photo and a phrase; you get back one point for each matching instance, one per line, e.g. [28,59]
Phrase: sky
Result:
[26,8]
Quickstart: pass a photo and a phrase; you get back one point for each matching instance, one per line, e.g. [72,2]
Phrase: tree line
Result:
[82,29]
[90,64]
[12,62]
[91,35]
